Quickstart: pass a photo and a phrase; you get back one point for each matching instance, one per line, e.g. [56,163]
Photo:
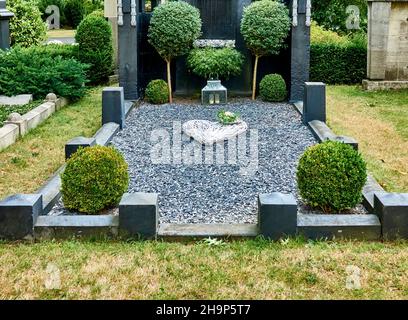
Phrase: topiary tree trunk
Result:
[168,62]
[254,77]
[174,27]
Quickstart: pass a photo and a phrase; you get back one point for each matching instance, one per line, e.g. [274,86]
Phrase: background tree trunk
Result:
[169,81]
[254,78]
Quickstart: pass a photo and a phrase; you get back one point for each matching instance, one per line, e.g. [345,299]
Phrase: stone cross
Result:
[5,17]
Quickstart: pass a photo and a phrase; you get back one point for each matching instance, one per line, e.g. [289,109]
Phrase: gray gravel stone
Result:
[214,193]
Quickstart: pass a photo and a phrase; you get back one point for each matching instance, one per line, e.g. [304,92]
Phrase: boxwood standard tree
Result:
[174,27]
[265,26]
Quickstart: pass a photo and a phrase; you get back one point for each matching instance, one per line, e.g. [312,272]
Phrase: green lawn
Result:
[254,269]
[379,121]
[27,164]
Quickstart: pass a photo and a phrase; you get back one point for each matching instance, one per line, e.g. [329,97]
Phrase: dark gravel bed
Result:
[217,192]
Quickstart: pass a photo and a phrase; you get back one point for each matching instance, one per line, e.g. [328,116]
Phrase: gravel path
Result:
[218,192]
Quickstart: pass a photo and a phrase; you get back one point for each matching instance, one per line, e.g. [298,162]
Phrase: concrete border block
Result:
[392,209]
[277,215]
[18,214]
[105,134]
[74,144]
[314,102]
[339,226]
[322,132]
[138,215]
[113,106]
[9,134]
[80,226]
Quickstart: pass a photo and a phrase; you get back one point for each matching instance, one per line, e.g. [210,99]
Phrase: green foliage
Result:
[93,5]
[331,176]
[331,14]
[318,34]
[157,92]
[66,51]
[265,26]
[227,117]
[173,28]
[94,38]
[94,179]
[26,27]
[338,64]
[30,71]
[74,12]
[273,88]
[215,63]
[5,111]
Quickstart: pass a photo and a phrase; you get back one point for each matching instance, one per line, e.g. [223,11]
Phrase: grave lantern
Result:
[214,93]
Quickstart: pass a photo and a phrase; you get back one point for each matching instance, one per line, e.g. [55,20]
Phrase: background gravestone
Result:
[5,16]
[387,62]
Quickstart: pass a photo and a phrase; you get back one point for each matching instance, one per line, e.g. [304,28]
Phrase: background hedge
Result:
[338,64]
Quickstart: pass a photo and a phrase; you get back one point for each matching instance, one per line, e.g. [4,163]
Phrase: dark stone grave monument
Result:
[139,62]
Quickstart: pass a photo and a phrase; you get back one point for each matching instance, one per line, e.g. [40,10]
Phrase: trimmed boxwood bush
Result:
[35,71]
[94,179]
[157,92]
[94,38]
[331,176]
[215,63]
[273,88]
[338,64]
[26,27]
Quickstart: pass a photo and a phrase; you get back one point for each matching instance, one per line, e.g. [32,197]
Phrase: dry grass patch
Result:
[28,163]
[379,121]
[240,270]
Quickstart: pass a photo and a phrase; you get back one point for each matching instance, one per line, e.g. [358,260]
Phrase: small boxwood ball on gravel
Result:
[331,176]
[157,92]
[272,88]
[94,179]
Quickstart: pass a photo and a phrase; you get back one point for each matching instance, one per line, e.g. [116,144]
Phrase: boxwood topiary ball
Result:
[331,176]
[95,178]
[157,92]
[273,88]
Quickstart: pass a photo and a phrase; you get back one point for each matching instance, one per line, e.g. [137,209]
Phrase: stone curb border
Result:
[388,216]
[278,216]
[13,130]
[21,214]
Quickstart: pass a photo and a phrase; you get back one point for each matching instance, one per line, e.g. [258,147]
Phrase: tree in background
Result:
[174,27]
[333,14]
[94,38]
[26,27]
[265,26]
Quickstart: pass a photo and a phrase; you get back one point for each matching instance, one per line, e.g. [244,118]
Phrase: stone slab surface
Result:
[105,134]
[17,100]
[207,230]
[324,226]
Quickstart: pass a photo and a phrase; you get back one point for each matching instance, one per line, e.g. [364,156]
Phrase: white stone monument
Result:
[387,63]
